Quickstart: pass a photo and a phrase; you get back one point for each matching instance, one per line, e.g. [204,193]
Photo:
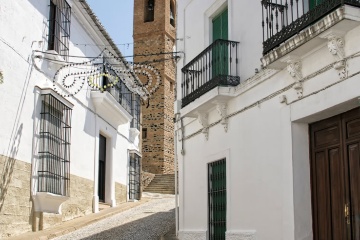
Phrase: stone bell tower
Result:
[154,37]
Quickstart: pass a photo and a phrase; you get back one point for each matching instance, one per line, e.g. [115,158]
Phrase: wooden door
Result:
[102,167]
[334,177]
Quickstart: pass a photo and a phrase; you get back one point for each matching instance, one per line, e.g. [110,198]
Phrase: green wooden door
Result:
[314,3]
[220,51]
[217,199]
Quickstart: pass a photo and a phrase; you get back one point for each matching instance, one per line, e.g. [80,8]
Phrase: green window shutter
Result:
[314,3]
[220,26]
[220,52]
[225,25]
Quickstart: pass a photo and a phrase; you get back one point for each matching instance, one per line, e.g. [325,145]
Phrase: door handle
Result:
[347,213]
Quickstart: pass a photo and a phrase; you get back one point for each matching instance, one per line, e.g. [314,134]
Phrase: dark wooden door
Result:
[102,167]
[334,177]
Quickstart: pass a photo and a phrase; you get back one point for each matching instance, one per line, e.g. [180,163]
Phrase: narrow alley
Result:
[148,221]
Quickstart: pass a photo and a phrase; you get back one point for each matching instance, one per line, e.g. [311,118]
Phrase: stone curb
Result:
[77,223]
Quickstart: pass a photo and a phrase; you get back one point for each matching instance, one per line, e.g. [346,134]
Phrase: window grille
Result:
[135,111]
[59,27]
[54,147]
[217,199]
[134,177]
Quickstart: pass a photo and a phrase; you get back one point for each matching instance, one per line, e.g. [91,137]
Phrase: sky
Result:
[117,18]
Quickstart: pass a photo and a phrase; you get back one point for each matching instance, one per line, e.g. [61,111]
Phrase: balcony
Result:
[283,19]
[113,100]
[216,66]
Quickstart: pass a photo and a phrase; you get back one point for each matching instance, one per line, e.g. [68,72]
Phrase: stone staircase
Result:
[162,183]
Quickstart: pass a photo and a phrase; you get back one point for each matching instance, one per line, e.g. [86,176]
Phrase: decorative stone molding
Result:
[335,46]
[298,87]
[198,235]
[294,69]
[203,119]
[241,235]
[221,107]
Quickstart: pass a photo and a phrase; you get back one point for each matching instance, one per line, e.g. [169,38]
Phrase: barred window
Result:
[54,146]
[135,111]
[134,176]
[59,27]
[217,199]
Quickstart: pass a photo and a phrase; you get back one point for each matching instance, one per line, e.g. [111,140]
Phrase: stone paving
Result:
[149,221]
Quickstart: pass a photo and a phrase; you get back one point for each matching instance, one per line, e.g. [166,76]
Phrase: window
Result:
[135,111]
[134,177]
[149,10]
[54,147]
[59,27]
[172,14]
[144,133]
[217,199]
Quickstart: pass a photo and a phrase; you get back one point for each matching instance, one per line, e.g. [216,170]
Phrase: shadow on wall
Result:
[9,166]
[14,141]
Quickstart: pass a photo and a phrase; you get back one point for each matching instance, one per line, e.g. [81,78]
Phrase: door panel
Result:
[354,177]
[335,180]
[337,188]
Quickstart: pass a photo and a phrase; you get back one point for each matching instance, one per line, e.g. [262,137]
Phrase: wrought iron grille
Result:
[54,147]
[135,111]
[217,199]
[282,19]
[215,66]
[134,177]
[118,90]
[59,27]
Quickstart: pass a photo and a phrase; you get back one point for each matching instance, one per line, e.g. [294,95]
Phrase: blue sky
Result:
[117,18]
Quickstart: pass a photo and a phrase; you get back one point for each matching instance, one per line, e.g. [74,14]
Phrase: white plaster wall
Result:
[268,177]
[18,37]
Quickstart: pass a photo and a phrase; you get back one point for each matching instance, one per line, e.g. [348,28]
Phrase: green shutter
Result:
[220,52]
[314,3]
[220,26]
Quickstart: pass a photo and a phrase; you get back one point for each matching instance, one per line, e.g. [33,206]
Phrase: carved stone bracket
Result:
[298,87]
[335,46]
[294,68]
[203,119]
[222,110]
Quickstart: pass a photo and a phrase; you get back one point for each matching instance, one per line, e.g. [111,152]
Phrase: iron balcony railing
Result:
[216,66]
[109,81]
[282,19]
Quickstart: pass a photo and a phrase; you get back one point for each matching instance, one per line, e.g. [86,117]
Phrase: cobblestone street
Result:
[148,221]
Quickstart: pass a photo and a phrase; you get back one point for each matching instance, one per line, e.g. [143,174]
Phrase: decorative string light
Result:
[71,77]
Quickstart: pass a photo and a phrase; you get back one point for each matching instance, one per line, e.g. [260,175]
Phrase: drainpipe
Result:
[176,181]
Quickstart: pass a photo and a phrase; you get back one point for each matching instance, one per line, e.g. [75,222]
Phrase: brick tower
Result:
[154,35]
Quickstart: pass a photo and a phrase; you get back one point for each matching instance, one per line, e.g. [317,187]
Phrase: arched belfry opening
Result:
[149,10]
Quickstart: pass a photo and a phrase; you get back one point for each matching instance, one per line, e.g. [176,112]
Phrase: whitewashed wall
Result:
[23,25]
[266,145]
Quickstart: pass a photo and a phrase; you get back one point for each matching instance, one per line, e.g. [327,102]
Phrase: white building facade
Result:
[267,119]
[70,126]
